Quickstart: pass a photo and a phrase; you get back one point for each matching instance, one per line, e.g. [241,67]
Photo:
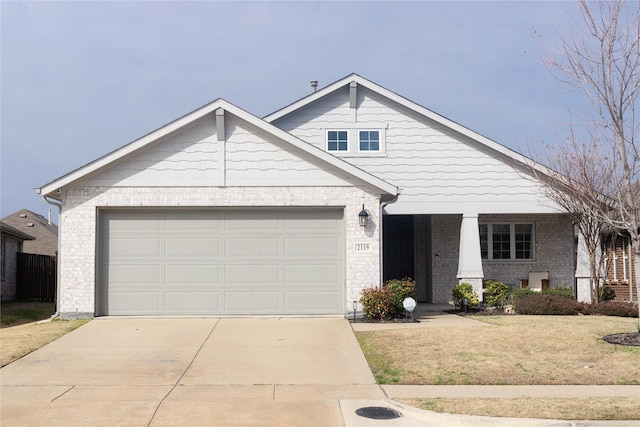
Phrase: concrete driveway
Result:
[190,372]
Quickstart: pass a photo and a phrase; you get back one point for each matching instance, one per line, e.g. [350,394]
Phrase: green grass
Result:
[17,313]
[384,372]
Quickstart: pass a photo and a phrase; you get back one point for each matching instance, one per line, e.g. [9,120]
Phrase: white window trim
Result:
[326,141]
[512,241]
[625,259]
[353,149]
[379,141]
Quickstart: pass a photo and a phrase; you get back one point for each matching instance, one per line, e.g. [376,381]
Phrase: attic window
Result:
[369,140]
[337,140]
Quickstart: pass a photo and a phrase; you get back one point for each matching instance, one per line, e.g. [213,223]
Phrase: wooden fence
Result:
[36,278]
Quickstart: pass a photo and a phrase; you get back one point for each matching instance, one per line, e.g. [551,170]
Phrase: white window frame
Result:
[338,150]
[512,241]
[353,134]
[625,259]
[359,141]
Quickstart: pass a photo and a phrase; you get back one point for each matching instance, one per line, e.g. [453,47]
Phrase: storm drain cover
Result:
[378,413]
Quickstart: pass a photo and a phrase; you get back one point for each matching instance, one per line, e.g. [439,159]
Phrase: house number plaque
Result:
[363,247]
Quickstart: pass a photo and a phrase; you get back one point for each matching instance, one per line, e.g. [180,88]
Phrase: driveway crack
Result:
[183,373]
[63,393]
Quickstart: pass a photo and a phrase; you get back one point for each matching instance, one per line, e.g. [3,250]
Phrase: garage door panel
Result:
[252,302]
[192,302]
[192,247]
[134,274]
[312,247]
[312,302]
[247,220]
[258,275]
[200,221]
[251,247]
[206,274]
[308,221]
[307,274]
[139,247]
[133,221]
[216,261]
[135,302]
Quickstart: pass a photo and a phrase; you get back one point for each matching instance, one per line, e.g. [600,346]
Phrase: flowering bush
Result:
[386,302]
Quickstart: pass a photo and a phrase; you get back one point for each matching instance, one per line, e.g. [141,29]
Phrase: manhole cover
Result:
[378,413]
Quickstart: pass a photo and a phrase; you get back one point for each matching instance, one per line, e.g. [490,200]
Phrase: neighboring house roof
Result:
[134,147]
[7,229]
[355,78]
[44,233]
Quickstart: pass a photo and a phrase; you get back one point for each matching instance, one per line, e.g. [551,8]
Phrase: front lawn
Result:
[20,335]
[518,350]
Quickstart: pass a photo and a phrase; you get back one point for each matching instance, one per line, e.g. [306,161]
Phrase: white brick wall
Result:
[78,228]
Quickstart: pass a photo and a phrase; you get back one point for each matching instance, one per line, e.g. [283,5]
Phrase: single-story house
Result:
[43,231]
[223,212]
[11,242]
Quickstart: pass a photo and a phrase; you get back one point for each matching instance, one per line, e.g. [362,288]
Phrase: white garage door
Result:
[250,261]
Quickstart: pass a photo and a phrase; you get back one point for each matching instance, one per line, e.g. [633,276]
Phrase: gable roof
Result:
[104,162]
[346,81]
[7,229]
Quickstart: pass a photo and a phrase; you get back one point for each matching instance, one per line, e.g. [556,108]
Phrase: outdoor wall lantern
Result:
[363,217]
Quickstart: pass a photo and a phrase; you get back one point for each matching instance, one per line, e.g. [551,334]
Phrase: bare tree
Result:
[599,54]
[577,176]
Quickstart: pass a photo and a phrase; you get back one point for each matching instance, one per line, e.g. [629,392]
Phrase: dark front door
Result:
[398,248]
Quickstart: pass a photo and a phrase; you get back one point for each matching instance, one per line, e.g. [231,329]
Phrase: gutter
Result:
[57,313]
[382,206]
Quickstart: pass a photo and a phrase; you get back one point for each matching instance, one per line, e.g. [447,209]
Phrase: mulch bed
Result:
[395,320]
[632,338]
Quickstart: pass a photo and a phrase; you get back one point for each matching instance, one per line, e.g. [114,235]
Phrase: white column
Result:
[469,256]
[583,283]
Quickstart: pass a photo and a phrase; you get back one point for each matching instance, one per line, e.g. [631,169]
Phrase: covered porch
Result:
[441,250]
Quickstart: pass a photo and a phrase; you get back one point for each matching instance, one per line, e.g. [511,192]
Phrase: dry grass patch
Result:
[518,350]
[19,335]
[618,408]
[18,341]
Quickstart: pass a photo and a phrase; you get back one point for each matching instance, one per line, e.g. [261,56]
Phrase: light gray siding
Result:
[194,157]
[437,170]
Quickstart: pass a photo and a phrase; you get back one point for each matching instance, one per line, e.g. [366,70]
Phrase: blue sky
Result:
[80,79]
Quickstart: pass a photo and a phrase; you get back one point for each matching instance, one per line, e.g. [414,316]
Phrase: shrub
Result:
[386,302]
[607,293]
[496,293]
[378,303]
[549,305]
[462,291]
[521,293]
[614,308]
[559,291]
[401,289]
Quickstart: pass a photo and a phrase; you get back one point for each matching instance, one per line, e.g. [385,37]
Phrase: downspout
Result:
[382,206]
[57,313]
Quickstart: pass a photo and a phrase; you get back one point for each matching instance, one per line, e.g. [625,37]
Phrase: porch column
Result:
[583,282]
[469,257]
